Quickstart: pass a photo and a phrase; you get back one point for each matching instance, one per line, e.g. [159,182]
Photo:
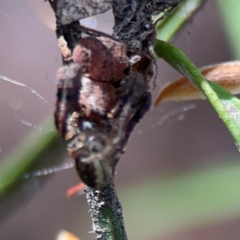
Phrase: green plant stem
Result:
[106,213]
[170,26]
[33,146]
[225,104]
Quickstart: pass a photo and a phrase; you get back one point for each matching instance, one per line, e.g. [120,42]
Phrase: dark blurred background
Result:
[174,139]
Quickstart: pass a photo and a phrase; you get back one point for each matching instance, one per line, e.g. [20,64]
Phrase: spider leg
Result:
[133,106]
[67,97]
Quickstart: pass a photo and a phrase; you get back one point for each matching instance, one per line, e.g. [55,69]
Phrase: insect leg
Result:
[67,96]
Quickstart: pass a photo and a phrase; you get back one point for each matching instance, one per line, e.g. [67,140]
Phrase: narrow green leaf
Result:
[34,146]
[225,104]
[170,26]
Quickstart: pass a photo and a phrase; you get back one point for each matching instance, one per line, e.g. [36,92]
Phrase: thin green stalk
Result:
[32,147]
[171,25]
[225,104]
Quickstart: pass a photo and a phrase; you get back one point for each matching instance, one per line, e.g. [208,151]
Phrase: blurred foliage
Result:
[159,205]
[33,147]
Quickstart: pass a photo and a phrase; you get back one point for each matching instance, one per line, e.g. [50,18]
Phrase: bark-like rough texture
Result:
[106,213]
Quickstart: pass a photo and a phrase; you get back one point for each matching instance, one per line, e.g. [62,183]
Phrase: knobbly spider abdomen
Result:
[102,59]
[93,154]
[98,98]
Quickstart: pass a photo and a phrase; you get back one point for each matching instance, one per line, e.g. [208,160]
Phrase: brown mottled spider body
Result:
[99,93]
[102,89]
[101,59]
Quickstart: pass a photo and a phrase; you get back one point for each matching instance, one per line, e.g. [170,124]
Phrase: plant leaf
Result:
[225,104]
[226,75]
[171,25]
[34,146]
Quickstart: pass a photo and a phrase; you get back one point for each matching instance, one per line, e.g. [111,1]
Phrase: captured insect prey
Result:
[102,87]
